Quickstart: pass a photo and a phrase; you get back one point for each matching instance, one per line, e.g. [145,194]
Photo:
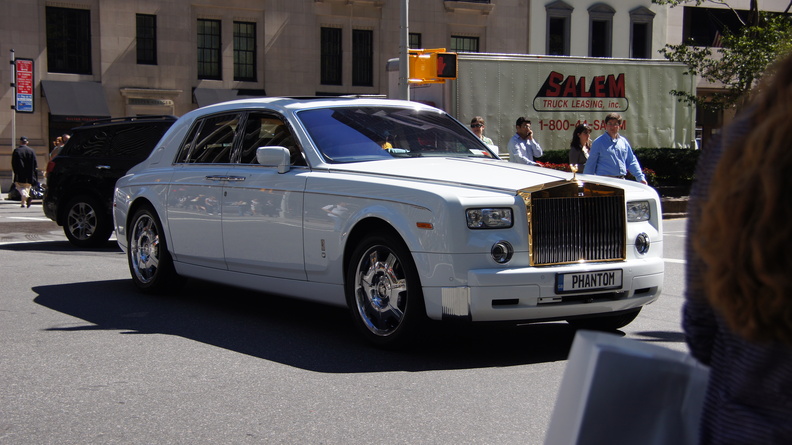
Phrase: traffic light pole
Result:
[13,107]
[404,50]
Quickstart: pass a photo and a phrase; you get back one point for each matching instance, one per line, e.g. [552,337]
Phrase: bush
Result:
[667,167]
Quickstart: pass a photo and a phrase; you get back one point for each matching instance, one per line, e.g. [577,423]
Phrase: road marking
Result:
[28,218]
[673,260]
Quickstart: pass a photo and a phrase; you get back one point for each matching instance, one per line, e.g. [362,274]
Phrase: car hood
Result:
[486,173]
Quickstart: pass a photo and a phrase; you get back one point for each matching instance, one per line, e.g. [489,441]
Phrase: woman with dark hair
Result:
[738,304]
[580,145]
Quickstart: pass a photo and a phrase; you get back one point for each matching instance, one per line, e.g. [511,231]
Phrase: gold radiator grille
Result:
[576,222]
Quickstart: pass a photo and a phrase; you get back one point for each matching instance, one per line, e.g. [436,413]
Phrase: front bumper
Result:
[528,294]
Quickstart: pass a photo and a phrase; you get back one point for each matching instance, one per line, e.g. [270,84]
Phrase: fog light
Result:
[642,243]
[502,252]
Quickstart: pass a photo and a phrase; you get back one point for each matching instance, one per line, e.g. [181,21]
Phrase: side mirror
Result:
[275,156]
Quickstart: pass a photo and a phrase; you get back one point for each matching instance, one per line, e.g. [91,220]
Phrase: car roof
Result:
[125,120]
[293,104]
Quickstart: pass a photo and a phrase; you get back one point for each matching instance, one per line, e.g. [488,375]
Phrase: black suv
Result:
[82,177]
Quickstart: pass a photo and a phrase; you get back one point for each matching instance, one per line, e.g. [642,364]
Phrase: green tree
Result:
[744,57]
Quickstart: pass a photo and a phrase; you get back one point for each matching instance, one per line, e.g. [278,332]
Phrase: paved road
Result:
[84,358]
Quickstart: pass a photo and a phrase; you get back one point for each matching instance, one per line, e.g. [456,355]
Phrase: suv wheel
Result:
[86,223]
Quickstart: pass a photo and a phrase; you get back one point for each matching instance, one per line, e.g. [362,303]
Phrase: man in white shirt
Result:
[523,149]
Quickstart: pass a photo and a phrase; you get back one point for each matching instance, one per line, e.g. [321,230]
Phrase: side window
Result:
[136,141]
[90,144]
[211,140]
[267,130]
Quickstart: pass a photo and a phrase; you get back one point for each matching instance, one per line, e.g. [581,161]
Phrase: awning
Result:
[75,98]
[209,96]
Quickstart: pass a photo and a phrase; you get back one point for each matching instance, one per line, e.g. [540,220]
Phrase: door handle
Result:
[225,178]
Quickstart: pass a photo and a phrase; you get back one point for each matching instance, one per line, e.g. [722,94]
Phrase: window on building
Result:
[245,51]
[464,44]
[415,40]
[68,40]
[331,56]
[641,19]
[559,15]
[600,30]
[209,49]
[706,26]
[146,39]
[362,57]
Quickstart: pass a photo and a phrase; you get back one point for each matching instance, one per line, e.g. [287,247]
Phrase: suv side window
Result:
[135,141]
[89,144]
[211,140]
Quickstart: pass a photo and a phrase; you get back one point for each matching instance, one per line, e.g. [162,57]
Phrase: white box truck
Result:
[557,93]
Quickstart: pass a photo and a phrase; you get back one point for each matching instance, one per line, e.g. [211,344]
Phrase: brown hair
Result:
[745,235]
[576,136]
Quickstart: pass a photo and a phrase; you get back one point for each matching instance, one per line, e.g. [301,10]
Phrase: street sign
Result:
[24,85]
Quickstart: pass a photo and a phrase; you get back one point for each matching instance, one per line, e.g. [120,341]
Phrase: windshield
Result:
[356,134]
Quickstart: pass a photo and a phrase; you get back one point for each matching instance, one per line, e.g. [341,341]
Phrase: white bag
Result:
[621,391]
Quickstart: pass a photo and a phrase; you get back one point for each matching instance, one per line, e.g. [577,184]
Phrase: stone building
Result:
[111,58]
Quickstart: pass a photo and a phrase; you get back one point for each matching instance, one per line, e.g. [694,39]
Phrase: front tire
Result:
[87,224]
[149,261]
[605,322]
[383,291]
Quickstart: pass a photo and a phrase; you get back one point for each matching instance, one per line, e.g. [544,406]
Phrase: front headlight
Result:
[638,211]
[493,218]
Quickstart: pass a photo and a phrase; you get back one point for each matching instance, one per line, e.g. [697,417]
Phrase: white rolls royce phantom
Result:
[391,208]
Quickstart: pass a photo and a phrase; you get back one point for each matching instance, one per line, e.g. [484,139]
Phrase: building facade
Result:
[111,58]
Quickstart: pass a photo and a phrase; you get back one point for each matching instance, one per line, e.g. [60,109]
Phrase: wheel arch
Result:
[360,230]
[136,205]
[366,227]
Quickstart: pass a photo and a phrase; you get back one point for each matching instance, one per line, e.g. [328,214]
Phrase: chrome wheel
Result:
[81,221]
[86,222]
[144,249]
[381,290]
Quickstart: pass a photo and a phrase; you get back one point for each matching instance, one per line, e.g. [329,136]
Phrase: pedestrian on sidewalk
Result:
[25,167]
[611,154]
[522,147]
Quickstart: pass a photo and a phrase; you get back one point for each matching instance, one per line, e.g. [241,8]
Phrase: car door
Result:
[195,195]
[262,209]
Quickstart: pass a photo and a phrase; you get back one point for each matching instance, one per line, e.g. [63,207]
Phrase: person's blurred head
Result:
[477,125]
[612,123]
[745,233]
[523,126]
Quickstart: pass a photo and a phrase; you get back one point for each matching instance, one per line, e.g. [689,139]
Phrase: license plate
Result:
[583,281]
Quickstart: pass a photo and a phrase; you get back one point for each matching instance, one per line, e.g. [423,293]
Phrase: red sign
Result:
[24,85]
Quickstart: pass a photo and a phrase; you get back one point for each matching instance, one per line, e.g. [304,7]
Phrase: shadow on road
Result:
[296,333]
[57,247]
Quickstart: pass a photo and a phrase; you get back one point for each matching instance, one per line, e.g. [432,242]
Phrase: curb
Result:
[674,207]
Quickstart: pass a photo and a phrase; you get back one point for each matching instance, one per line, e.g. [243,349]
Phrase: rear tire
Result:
[150,263]
[383,291]
[606,322]
[87,223]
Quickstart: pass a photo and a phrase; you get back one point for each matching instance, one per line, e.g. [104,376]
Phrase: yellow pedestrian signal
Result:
[447,65]
[432,65]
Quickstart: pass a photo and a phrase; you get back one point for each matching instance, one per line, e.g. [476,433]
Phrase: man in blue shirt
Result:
[523,149]
[611,154]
